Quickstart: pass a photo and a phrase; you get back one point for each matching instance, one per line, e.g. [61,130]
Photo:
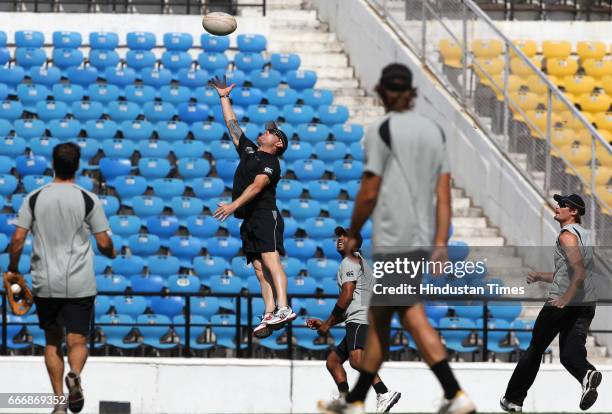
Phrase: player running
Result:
[406,188]
[354,279]
[568,312]
[254,200]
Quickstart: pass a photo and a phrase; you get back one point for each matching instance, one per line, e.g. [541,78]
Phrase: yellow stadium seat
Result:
[487,48]
[537,85]
[577,155]
[490,67]
[603,155]
[606,84]
[451,53]
[602,174]
[556,49]
[590,50]
[538,122]
[528,47]
[561,137]
[597,68]
[604,192]
[561,67]
[594,102]
[577,85]
[520,68]
[603,120]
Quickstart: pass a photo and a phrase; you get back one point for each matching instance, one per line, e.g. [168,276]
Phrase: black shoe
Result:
[76,400]
[510,407]
[591,381]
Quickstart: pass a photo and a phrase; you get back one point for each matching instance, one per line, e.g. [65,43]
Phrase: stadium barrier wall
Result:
[171,385]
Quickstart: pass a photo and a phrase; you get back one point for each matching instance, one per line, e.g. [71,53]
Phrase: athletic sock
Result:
[447,379]
[380,388]
[361,388]
[343,387]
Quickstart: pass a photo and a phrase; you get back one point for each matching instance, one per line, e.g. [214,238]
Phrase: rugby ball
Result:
[219,23]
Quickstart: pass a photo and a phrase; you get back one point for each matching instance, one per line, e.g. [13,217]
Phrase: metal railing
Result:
[526,116]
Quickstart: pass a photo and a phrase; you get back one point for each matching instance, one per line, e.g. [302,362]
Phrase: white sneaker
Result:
[460,404]
[340,406]
[76,400]
[591,381]
[282,316]
[60,409]
[510,407]
[384,402]
[262,330]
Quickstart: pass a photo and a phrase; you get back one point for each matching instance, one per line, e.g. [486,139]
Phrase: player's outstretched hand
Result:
[314,323]
[224,211]
[221,86]
[533,277]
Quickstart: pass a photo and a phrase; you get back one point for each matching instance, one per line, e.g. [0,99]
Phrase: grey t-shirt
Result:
[361,273]
[409,162]
[62,254]
[562,275]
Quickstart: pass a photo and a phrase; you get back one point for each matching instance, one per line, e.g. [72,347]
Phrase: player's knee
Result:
[565,357]
[355,360]
[75,339]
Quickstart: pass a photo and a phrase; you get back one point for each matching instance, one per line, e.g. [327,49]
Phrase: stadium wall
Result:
[177,385]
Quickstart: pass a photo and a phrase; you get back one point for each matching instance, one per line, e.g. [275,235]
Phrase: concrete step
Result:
[304,47]
[506,251]
[304,36]
[503,261]
[357,102]
[457,192]
[278,4]
[482,241]
[337,84]
[324,60]
[373,112]
[461,232]
[281,14]
[469,222]
[348,92]
[343,73]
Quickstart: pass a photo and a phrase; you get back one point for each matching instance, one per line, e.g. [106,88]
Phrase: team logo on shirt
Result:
[350,273]
[268,170]
[249,150]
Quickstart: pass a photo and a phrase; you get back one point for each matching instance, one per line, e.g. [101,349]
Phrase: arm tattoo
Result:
[234,129]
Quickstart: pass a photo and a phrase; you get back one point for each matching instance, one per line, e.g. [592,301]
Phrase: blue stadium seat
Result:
[102,59]
[495,337]
[225,247]
[291,226]
[298,114]
[245,96]
[330,150]
[212,43]
[84,75]
[163,226]
[3,39]
[352,187]
[5,126]
[103,93]
[156,77]
[217,113]
[250,129]
[251,42]
[68,93]
[192,78]
[226,170]
[101,129]
[110,204]
[104,41]
[212,203]
[333,114]
[38,335]
[141,40]
[111,283]
[130,305]
[145,206]
[330,286]
[302,208]
[356,151]
[324,190]
[292,265]
[346,170]
[32,182]
[144,244]
[152,168]
[329,248]
[204,306]
[211,61]
[319,308]
[202,226]
[6,164]
[454,338]
[322,268]
[29,38]
[317,97]
[184,207]
[206,95]
[281,97]
[348,133]
[306,337]
[191,168]
[64,128]
[154,148]
[66,58]
[28,57]
[300,248]
[86,110]
[300,285]
[166,188]
[283,62]
[265,79]
[29,128]
[225,284]
[128,186]
[147,283]
[12,146]
[301,79]
[30,94]
[118,148]
[101,264]
[197,331]
[125,226]
[249,61]
[140,59]
[172,131]
[193,112]
[102,305]
[207,187]
[320,227]
[7,223]
[159,111]
[298,150]
[185,248]
[288,189]
[176,61]
[223,327]
[157,326]
[120,111]
[232,225]
[188,148]
[115,335]
[508,311]
[11,76]
[89,147]
[223,149]
[31,165]
[68,40]
[313,132]
[140,94]
[8,184]
[164,265]
[5,55]
[114,167]
[121,77]
[207,131]
[48,110]
[241,268]
[458,250]
[174,94]
[307,170]
[340,210]
[205,266]
[523,337]
[178,41]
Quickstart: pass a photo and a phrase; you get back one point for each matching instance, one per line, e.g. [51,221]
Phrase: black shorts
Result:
[355,338]
[262,232]
[73,314]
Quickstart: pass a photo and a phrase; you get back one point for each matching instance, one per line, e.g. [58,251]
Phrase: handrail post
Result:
[485,332]
[4,326]
[465,55]
[188,324]
[289,334]
[238,326]
[92,333]
[547,167]
[264,8]
[593,194]
[506,106]
[423,32]
[250,325]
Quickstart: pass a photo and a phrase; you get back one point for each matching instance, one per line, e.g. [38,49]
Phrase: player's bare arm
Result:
[443,217]
[105,244]
[16,248]
[533,277]
[337,315]
[229,116]
[569,244]
[364,204]
[225,210]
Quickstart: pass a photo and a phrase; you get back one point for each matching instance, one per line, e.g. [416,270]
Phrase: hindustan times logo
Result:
[411,268]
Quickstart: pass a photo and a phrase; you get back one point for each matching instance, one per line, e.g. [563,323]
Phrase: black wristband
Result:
[338,312]
[224,96]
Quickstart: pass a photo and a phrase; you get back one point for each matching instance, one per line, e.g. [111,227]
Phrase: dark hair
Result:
[66,160]
[396,101]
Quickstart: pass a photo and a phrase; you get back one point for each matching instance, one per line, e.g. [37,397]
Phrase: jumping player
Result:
[254,200]
[568,312]
[354,279]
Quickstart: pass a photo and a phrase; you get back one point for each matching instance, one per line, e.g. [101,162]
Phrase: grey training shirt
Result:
[361,273]
[62,253]
[408,151]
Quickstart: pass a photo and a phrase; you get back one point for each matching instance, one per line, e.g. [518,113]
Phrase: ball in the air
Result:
[219,23]
[15,288]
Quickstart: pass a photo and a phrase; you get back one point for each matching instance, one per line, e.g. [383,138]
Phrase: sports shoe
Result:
[460,404]
[282,316]
[510,407]
[76,400]
[340,406]
[384,402]
[60,409]
[262,330]
[591,381]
